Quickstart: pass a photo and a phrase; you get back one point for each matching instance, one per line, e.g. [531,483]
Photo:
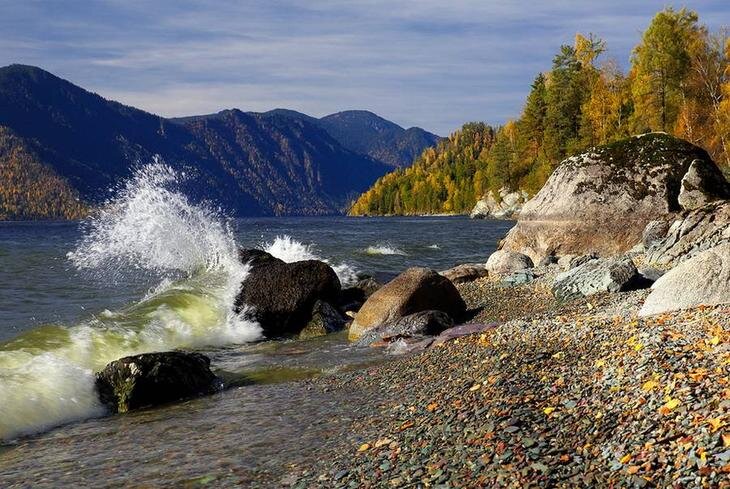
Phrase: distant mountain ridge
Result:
[82,144]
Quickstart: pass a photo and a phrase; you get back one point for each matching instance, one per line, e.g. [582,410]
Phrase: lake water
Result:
[155,272]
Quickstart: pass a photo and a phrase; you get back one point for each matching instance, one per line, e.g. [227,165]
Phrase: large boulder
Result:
[701,185]
[601,201]
[424,323]
[689,234]
[506,205]
[502,263]
[280,296]
[415,290]
[598,275]
[467,272]
[154,378]
[703,279]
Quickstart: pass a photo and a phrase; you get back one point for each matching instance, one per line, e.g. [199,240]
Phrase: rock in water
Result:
[690,234]
[701,185]
[601,201]
[424,323]
[509,205]
[281,295]
[415,290]
[599,275]
[151,379]
[703,279]
[352,298]
[503,262]
[325,320]
[465,273]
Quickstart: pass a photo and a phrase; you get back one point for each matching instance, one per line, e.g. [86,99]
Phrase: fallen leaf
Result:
[726,439]
[633,469]
[382,442]
[669,406]
[716,424]
[649,385]
[625,458]
[364,447]
[432,407]
[548,410]
[475,387]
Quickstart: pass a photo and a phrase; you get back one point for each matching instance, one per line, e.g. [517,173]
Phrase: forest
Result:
[678,82]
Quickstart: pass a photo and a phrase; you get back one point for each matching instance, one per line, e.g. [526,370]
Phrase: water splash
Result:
[290,250]
[384,249]
[46,375]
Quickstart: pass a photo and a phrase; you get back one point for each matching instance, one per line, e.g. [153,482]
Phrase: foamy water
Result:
[384,249]
[47,374]
[290,250]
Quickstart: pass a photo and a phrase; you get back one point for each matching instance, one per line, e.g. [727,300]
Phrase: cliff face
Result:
[601,201]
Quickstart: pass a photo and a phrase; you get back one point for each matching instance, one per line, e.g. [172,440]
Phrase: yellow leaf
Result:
[649,385]
[600,363]
[625,458]
[364,447]
[715,340]
[726,439]
[638,346]
[716,424]
[548,410]
[672,403]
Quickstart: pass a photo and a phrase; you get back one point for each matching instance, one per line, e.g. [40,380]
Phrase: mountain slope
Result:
[249,164]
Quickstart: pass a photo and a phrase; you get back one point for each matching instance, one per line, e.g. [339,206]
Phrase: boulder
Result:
[352,298]
[701,185]
[505,205]
[691,233]
[280,296]
[598,275]
[703,279]
[151,379]
[424,323]
[503,262]
[415,290]
[601,200]
[467,272]
[520,277]
[325,320]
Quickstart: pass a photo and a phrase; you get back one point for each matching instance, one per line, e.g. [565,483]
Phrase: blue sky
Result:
[435,64]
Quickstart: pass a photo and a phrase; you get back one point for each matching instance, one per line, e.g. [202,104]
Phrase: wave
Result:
[384,249]
[434,247]
[149,228]
[290,250]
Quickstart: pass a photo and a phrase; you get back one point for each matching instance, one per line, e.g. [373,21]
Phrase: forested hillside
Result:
[678,82]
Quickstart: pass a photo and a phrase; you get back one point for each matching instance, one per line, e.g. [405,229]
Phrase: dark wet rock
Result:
[702,184]
[352,298]
[520,277]
[424,323]
[503,262]
[598,275]
[415,290]
[691,233]
[601,200]
[151,379]
[701,280]
[465,273]
[280,296]
[325,320]
[462,330]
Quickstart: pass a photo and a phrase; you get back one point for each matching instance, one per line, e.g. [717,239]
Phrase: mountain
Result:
[65,147]
[367,133]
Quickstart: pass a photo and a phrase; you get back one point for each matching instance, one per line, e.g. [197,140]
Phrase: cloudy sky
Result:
[435,64]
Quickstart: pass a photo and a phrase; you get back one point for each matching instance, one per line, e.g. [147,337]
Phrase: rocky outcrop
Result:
[601,201]
[280,296]
[703,279]
[467,272]
[506,206]
[502,263]
[689,234]
[415,290]
[424,323]
[701,185]
[151,379]
[325,320]
[598,275]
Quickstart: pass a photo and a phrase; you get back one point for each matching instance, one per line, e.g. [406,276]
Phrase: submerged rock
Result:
[598,275]
[503,262]
[151,379]
[280,296]
[325,320]
[467,272]
[424,323]
[691,233]
[415,290]
[601,201]
[701,280]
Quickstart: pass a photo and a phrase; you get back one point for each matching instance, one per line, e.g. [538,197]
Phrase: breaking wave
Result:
[290,250]
[384,249]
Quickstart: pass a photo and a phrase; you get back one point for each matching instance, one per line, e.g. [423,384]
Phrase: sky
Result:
[427,63]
